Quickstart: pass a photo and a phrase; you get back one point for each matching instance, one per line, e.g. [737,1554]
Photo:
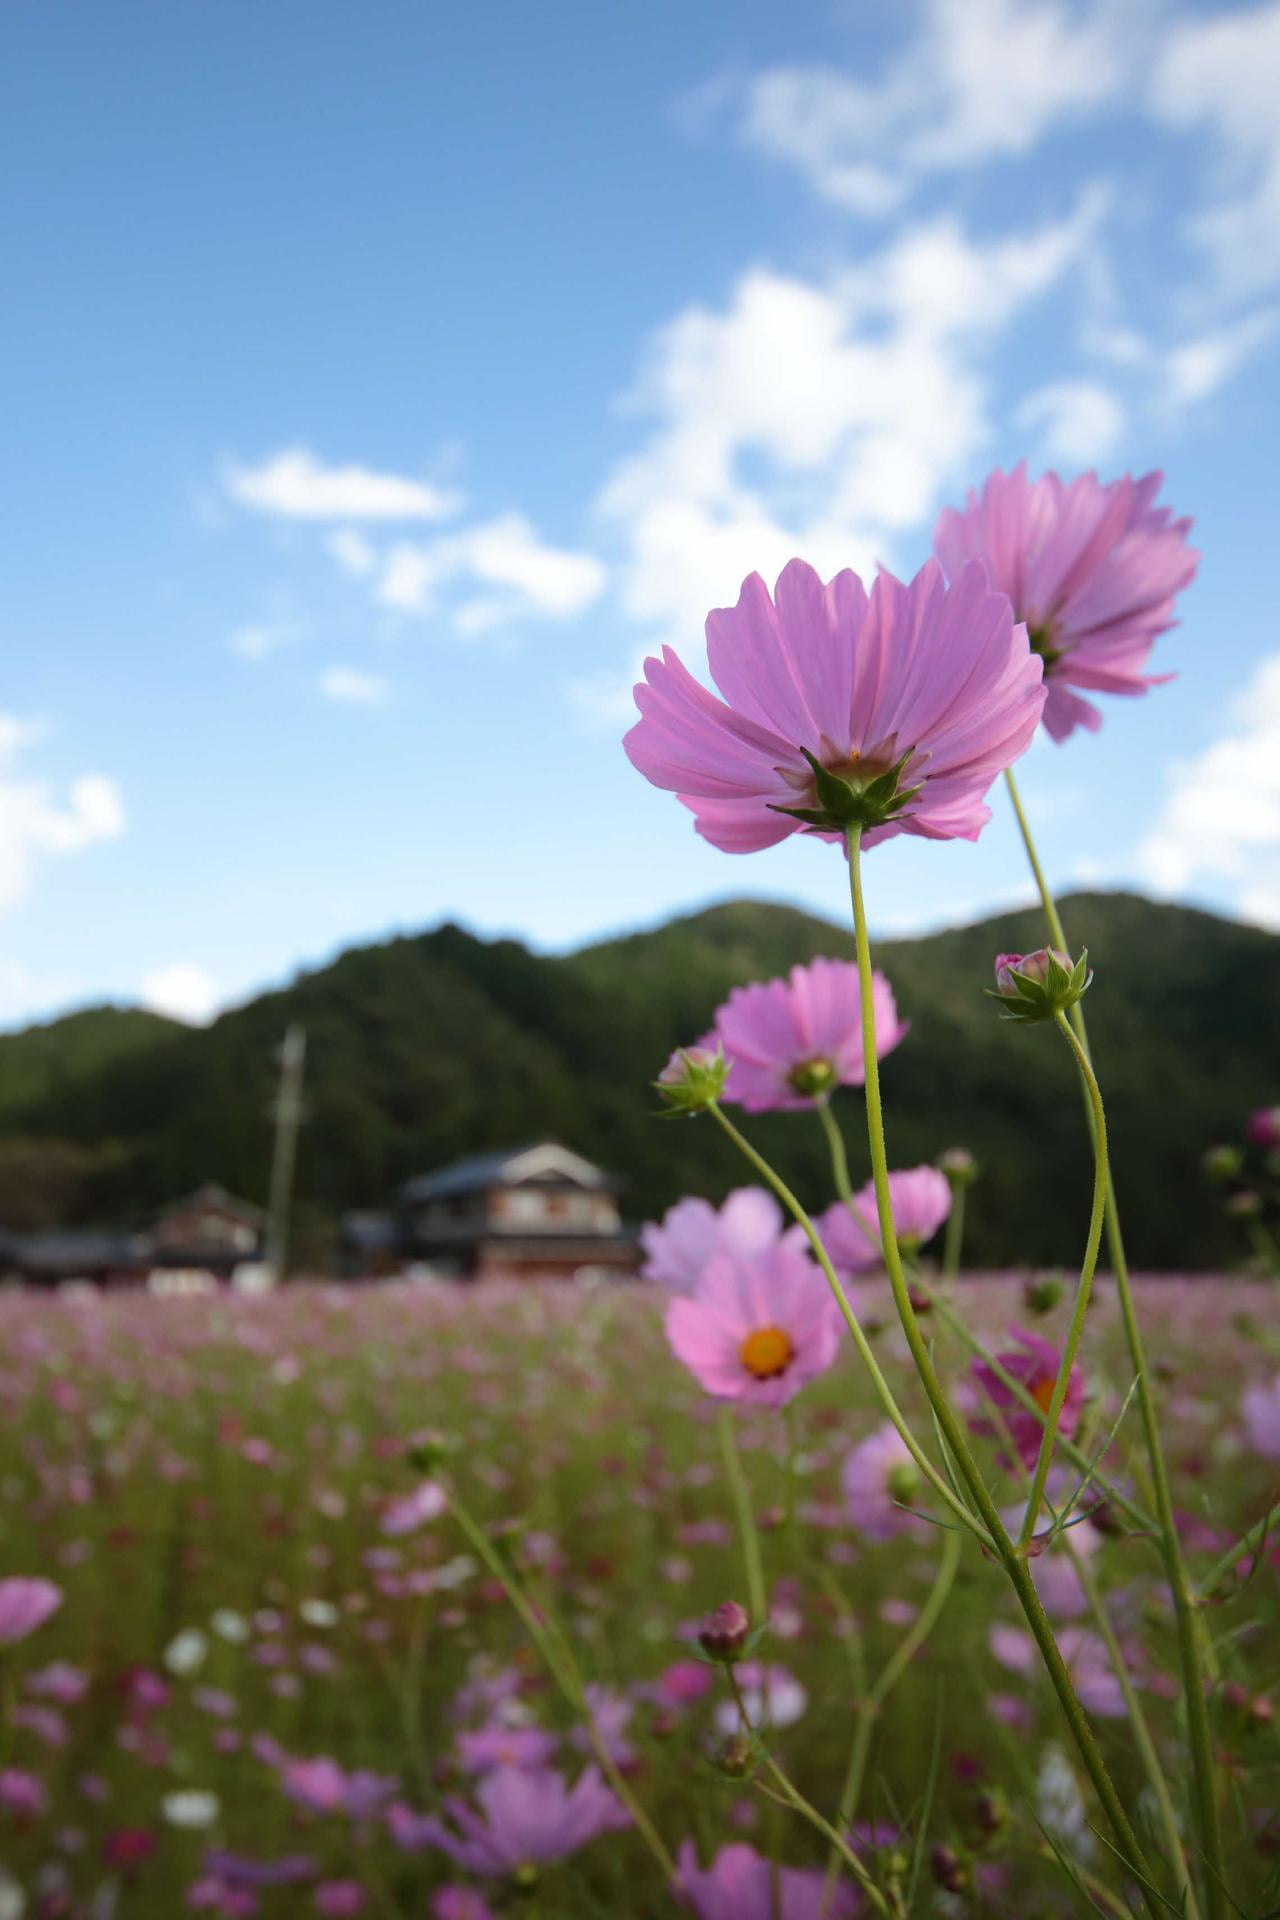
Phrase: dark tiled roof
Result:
[480,1170]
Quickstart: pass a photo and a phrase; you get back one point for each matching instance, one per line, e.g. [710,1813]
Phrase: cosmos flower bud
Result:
[990,1813]
[1040,985]
[692,1078]
[1042,1294]
[734,1757]
[723,1634]
[959,1167]
[429,1452]
[948,1873]
[1223,1163]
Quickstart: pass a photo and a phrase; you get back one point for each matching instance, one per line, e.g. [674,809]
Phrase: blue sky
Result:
[382,383]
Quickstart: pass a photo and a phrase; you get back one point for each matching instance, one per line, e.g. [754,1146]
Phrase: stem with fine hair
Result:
[749,1539]
[560,1664]
[1194,1692]
[954,1241]
[1014,1562]
[884,1392]
[1072,1344]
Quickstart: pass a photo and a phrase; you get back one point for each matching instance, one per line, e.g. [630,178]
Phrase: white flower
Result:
[192,1808]
[185,1653]
[230,1626]
[319,1613]
[13,1901]
[1061,1806]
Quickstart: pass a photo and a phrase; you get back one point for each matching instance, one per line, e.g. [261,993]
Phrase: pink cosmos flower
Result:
[1260,1407]
[23,1794]
[499,1746]
[790,1041]
[921,1199]
[1037,1369]
[678,1248]
[527,1817]
[738,1885]
[1087,1661]
[756,1330]
[460,1903]
[413,1510]
[938,677]
[768,1693]
[1263,1128]
[1092,570]
[879,1479]
[24,1606]
[339,1899]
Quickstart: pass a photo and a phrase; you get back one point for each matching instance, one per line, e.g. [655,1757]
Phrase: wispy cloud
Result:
[294,485]
[181,991]
[260,641]
[352,686]
[35,823]
[505,554]
[1077,421]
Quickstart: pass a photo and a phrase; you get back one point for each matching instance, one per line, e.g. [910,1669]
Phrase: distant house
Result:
[535,1211]
[208,1232]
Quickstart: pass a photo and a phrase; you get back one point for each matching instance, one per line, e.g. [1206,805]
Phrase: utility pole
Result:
[288,1116]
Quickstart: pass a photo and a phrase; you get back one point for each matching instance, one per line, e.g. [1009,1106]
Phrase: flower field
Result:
[283,1676]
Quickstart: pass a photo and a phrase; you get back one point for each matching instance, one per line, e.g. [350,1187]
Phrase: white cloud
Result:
[1079,421]
[820,418]
[1221,816]
[258,642]
[293,484]
[504,553]
[1197,368]
[980,81]
[353,687]
[182,992]
[1222,74]
[352,551]
[33,822]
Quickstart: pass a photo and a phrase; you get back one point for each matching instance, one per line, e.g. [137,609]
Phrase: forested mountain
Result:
[425,1048]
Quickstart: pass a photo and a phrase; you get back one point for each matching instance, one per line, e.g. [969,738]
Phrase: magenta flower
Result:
[527,1817]
[880,1479]
[1263,1128]
[1036,1367]
[460,1903]
[921,1199]
[413,1510]
[339,1899]
[1087,1661]
[933,684]
[24,1606]
[756,1330]
[1260,1407]
[677,1250]
[790,1041]
[1092,570]
[23,1794]
[738,1885]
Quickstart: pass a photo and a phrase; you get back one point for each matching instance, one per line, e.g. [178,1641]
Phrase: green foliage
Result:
[423,1049]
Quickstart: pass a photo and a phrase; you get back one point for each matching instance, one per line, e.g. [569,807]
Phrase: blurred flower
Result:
[768,1693]
[460,1903]
[792,1041]
[500,1746]
[1086,1659]
[678,1248]
[756,1330]
[897,707]
[879,1478]
[739,1885]
[190,1808]
[921,1199]
[185,1653]
[24,1606]
[59,1681]
[337,1899]
[1036,1368]
[723,1634]
[1260,1408]
[23,1794]
[1093,571]
[1262,1128]
[413,1510]
[527,1817]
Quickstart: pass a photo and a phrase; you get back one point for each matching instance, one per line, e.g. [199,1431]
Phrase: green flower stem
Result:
[560,1665]
[1248,1543]
[1141,1731]
[1194,1692]
[1072,1345]
[954,1241]
[883,1390]
[795,1799]
[757,1597]
[1076,1454]
[1015,1564]
[870,1707]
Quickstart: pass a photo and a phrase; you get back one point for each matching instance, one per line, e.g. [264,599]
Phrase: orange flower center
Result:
[1042,1393]
[767,1352]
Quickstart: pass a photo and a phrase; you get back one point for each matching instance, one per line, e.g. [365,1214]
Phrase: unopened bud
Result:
[692,1078]
[723,1634]
[959,1166]
[947,1871]
[1042,1294]
[1263,1127]
[990,1813]
[735,1756]
[921,1299]
[1040,985]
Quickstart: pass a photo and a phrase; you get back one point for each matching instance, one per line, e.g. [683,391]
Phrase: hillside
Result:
[425,1048]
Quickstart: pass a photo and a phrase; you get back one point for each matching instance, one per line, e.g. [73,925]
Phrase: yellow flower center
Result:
[767,1352]
[1042,1393]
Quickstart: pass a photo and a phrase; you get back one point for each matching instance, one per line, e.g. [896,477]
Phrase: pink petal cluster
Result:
[790,1041]
[1036,1367]
[1093,570]
[1260,1406]
[1262,1128]
[921,1198]
[878,1478]
[756,1330]
[738,1885]
[938,674]
[525,1816]
[677,1249]
[413,1510]
[24,1606]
